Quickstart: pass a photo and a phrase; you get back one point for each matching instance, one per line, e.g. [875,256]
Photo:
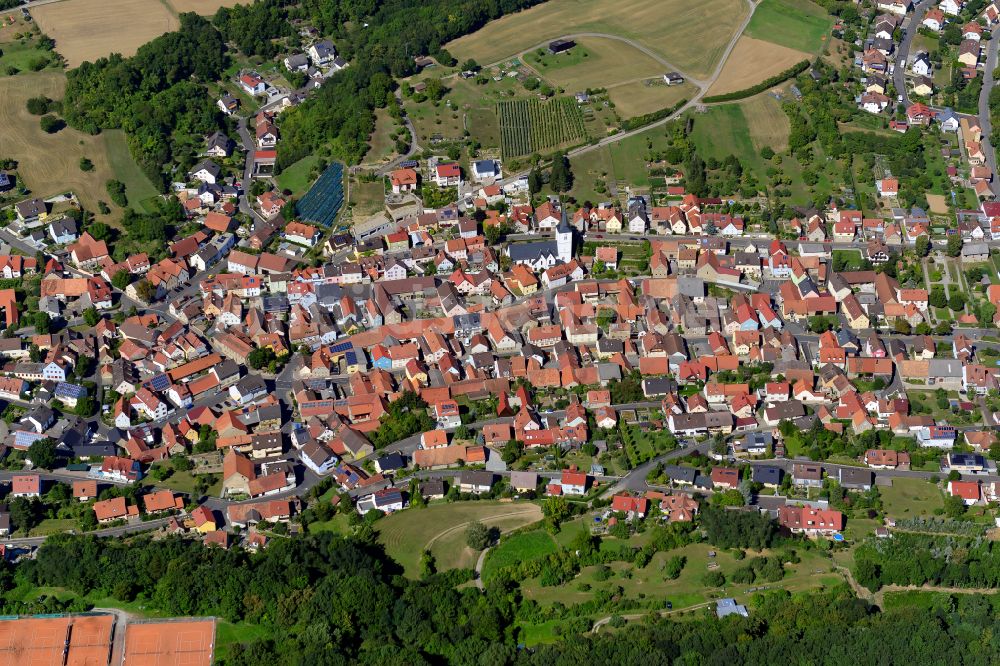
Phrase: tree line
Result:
[158,96]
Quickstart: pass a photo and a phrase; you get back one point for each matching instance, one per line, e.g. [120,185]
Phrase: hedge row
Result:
[760,87]
[641,121]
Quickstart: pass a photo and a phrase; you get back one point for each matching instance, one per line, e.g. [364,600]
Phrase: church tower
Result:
[564,239]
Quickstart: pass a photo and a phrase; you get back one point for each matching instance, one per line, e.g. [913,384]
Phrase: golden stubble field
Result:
[203,7]
[50,163]
[752,61]
[690,35]
[90,29]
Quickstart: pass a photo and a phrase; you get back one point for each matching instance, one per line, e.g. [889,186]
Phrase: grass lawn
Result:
[690,35]
[336,524]
[518,548]
[53,526]
[852,259]
[797,24]
[406,534]
[908,498]
[138,187]
[184,482]
[297,177]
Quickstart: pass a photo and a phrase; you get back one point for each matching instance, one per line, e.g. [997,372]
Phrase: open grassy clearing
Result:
[797,24]
[466,105]
[722,131]
[297,176]
[767,122]
[908,498]
[602,63]
[687,590]
[19,46]
[203,7]
[516,549]
[138,187]
[89,29]
[407,534]
[752,61]
[451,552]
[381,146]
[641,97]
[690,35]
[367,198]
[50,163]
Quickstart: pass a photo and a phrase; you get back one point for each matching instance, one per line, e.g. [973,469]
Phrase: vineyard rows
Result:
[529,125]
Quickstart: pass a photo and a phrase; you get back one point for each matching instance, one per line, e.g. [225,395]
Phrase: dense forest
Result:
[157,96]
[326,599]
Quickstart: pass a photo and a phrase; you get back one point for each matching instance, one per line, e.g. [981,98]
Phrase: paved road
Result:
[910,27]
[984,111]
[131,528]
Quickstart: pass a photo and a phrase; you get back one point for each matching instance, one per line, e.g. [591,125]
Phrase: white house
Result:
[950,7]
[948,121]
[874,102]
[486,170]
[206,171]
[899,7]
[447,175]
[322,53]
[252,84]
[921,64]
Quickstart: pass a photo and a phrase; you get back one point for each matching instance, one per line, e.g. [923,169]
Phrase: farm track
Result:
[702,84]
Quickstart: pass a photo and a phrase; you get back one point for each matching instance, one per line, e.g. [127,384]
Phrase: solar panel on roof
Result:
[341,348]
[160,382]
[323,200]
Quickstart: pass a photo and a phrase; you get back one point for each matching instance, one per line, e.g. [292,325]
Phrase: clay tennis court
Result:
[74,641]
[182,643]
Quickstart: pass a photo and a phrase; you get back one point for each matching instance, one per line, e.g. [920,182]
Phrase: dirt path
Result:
[479,568]
[638,616]
[485,521]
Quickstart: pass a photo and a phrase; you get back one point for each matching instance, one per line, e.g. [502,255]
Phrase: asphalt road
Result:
[984,111]
[910,27]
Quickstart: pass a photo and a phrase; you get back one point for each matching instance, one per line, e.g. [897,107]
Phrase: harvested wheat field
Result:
[89,29]
[767,122]
[752,61]
[638,98]
[49,164]
[203,7]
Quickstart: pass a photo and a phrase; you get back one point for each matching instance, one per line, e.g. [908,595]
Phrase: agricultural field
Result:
[722,131]
[909,498]
[668,28]
[50,163]
[752,61]
[528,125]
[440,528]
[796,24]
[600,63]
[203,7]
[89,29]
[641,97]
